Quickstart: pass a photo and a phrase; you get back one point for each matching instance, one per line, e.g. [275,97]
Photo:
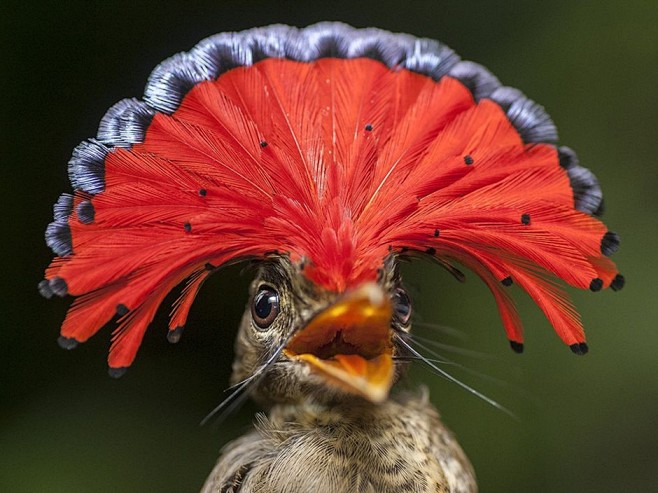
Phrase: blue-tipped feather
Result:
[587,193]
[478,79]
[87,166]
[125,123]
[528,117]
[63,207]
[58,238]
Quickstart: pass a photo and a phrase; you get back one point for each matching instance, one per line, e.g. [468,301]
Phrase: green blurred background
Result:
[585,424]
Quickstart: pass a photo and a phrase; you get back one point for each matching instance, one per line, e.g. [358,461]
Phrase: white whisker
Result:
[446,375]
[239,391]
[443,329]
[454,349]
[445,361]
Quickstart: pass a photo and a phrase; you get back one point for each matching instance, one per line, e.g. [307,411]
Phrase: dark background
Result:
[585,424]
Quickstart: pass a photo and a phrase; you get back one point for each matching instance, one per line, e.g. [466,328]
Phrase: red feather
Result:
[335,161]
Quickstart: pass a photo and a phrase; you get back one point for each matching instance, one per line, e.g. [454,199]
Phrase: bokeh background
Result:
[584,424]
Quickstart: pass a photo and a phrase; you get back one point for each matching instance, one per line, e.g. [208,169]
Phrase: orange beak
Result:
[349,343]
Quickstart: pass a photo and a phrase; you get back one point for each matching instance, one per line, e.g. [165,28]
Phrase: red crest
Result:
[335,146]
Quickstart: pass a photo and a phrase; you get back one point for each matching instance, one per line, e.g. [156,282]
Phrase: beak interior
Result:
[349,343]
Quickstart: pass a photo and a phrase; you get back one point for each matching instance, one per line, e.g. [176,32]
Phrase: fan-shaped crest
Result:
[337,147]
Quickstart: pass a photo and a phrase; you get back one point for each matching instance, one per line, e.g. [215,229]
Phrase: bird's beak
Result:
[349,343]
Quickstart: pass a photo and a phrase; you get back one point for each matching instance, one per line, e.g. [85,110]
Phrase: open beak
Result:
[349,343]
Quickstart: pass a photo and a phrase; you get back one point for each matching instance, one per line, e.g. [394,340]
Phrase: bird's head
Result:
[341,149]
[300,339]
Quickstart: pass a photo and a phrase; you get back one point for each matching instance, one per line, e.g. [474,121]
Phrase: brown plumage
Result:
[351,446]
[317,437]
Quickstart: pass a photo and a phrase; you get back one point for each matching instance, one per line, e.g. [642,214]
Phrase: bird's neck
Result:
[399,445]
[346,411]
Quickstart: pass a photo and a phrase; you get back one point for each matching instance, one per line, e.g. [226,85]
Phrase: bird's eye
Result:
[401,305]
[265,307]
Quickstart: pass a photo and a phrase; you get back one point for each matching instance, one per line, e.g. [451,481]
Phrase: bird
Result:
[325,156]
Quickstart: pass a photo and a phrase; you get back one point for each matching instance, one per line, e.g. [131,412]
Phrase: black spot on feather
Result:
[507,281]
[610,243]
[44,289]
[525,219]
[174,335]
[468,160]
[596,284]
[117,372]
[86,212]
[67,343]
[58,286]
[618,282]
[579,348]
[121,310]
[517,347]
